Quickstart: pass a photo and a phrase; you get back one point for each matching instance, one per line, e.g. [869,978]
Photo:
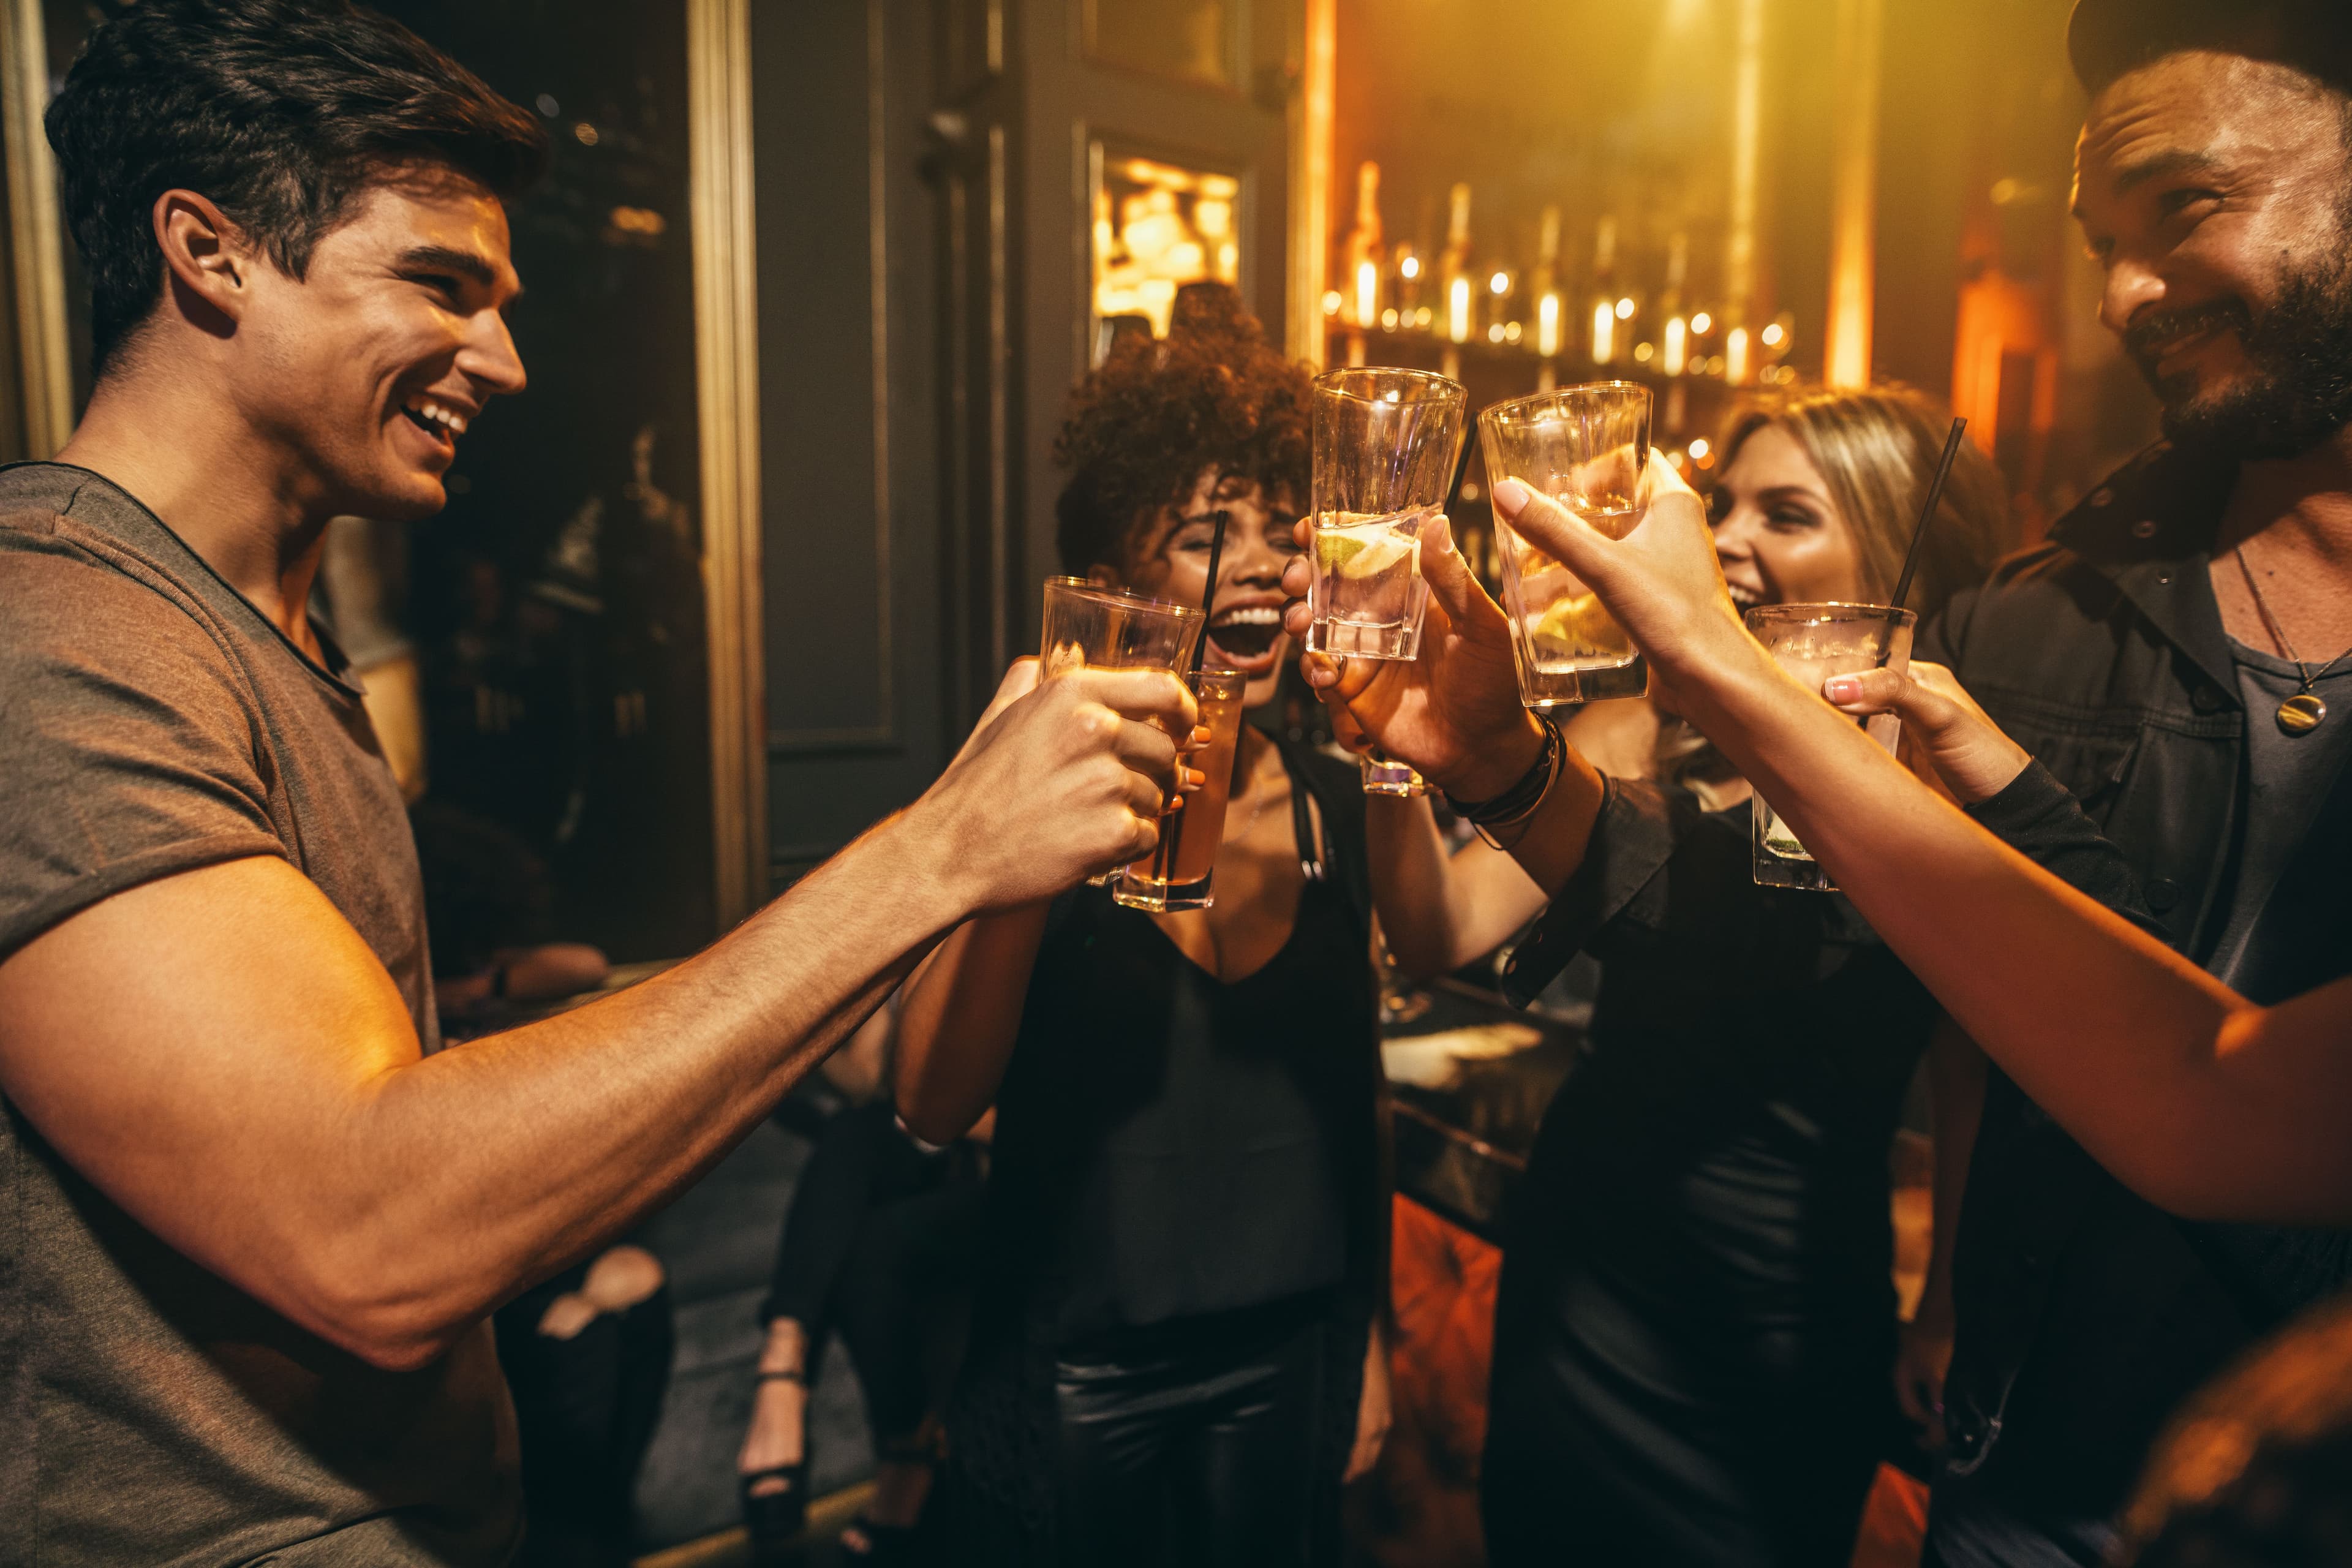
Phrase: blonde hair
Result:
[1876,451]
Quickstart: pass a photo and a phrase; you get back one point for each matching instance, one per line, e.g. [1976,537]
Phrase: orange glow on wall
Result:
[1311,168]
[1853,205]
[2005,377]
[1746,140]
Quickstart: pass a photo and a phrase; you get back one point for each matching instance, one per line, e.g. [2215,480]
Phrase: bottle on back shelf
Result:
[1455,287]
[1365,253]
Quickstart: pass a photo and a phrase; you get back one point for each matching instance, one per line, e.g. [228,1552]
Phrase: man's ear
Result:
[207,261]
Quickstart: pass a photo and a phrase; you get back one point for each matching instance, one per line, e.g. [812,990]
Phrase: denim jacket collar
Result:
[2150,530]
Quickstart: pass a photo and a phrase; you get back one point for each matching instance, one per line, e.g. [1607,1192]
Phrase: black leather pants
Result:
[1196,1442]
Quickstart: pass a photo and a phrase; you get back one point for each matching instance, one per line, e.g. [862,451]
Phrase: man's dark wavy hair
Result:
[1213,394]
[281,112]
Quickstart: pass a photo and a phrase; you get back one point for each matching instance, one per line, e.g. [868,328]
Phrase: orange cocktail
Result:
[1177,875]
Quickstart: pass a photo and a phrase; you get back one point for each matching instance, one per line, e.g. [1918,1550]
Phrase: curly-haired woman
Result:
[1172,1355]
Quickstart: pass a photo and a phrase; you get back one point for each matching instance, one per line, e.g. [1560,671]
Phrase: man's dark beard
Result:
[2299,389]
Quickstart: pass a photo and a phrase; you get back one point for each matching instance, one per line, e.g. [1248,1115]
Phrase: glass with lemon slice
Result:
[1385,446]
[1585,448]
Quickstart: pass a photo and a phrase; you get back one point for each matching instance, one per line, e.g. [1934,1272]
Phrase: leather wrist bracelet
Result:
[1519,803]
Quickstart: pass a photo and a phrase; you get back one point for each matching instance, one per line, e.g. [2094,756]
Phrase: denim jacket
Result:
[2085,1315]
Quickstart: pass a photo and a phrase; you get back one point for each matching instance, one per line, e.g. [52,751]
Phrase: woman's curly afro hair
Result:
[1213,395]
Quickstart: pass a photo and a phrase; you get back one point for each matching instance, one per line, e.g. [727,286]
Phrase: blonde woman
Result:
[1696,1321]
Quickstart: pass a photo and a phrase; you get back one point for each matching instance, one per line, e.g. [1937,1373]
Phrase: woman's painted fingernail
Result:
[1841,687]
[1510,495]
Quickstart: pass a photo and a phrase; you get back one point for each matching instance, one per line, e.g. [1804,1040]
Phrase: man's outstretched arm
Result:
[221,1055]
[2188,1094]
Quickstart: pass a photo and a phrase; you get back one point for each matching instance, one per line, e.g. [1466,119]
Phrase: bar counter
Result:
[1469,1077]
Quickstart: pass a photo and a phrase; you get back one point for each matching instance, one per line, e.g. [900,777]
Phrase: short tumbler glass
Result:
[1585,448]
[1385,443]
[1814,642]
[1090,627]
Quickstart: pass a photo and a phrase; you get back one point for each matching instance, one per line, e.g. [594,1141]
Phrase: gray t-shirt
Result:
[2290,777]
[152,721]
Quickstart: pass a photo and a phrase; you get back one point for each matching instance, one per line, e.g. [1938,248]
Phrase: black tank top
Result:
[1169,1145]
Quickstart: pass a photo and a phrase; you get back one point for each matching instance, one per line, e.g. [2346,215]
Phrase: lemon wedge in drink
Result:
[1334,551]
[1577,627]
[1358,558]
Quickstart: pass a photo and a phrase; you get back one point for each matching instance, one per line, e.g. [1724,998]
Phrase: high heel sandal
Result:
[883,1545]
[892,1545]
[776,1518]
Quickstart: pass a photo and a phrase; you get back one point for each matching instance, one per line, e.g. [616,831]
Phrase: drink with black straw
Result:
[1815,642]
[1180,873]
[1090,627]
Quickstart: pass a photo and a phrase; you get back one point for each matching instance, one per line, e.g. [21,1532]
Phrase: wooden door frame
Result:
[727,381]
[35,237]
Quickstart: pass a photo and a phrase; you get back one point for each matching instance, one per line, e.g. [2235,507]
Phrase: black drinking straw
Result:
[1461,468]
[1919,537]
[1208,594]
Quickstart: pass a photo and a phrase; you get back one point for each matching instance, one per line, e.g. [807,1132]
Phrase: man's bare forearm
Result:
[222,1054]
[2186,1092]
[2189,1096]
[503,1166]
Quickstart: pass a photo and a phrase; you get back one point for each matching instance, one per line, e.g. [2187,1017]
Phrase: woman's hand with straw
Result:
[1949,740]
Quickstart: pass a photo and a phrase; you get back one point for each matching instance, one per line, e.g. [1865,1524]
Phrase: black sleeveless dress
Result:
[1185,1171]
[1695,1324]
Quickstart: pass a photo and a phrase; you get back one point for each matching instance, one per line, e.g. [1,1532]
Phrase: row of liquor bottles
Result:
[1608,320]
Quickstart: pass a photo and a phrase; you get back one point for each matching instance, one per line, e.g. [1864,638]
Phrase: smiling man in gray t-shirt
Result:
[252,1217]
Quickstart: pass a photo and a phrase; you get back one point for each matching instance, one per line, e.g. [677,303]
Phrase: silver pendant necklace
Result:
[2301,713]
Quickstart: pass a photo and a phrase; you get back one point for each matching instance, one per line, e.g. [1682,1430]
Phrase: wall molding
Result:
[1000,411]
[881,736]
[878,271]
